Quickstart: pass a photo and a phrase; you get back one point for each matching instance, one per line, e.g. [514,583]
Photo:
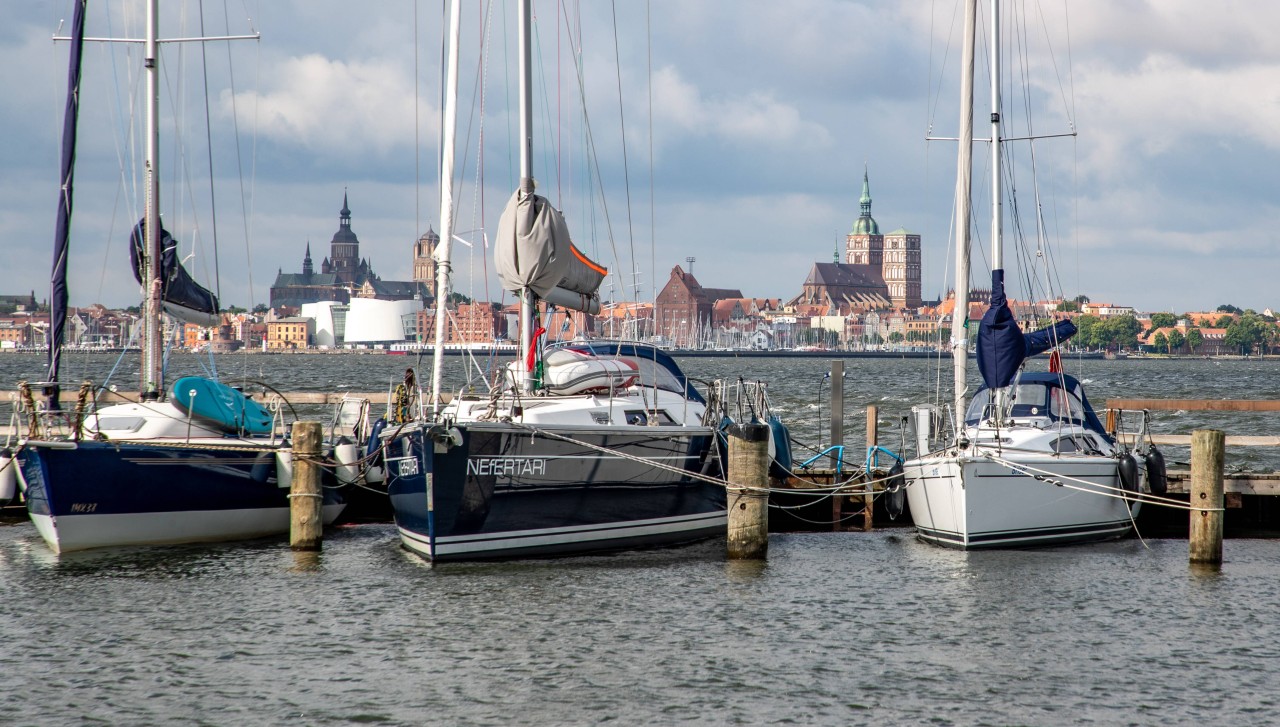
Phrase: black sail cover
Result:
[533,251]
[184,298]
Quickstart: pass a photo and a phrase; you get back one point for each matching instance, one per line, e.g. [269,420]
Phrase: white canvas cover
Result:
[533,250]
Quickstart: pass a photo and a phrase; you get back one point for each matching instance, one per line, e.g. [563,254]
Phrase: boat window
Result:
[1066,405]
[641,418]
[1065,444]
[120,424]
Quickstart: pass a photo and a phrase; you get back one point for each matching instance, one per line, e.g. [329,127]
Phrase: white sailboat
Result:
[1027,461]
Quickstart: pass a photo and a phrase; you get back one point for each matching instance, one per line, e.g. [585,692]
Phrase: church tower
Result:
[307,269]
[344,249]
[424,260]
[864,244]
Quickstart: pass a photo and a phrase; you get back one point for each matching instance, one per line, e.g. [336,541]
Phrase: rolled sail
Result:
[184,298]
[533,250]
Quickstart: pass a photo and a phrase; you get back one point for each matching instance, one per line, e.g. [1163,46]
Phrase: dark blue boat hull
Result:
[506,492]
[99,494]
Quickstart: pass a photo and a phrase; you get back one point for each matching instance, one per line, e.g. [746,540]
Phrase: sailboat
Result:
[198,462]
[581,447]
[1028,461]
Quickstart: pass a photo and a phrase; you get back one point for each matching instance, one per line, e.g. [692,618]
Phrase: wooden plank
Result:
[1184,440]
[1245,483]
[295,397]
[1196,404]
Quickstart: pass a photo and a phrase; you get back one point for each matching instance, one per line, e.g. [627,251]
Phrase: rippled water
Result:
[835,629]
[840,628]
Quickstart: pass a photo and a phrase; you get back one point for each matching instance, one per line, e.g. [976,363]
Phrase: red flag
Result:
[1055,362]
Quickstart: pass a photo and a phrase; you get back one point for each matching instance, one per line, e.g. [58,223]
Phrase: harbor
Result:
[845,619]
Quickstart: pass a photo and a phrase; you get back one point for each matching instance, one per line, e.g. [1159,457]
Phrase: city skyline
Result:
[755,174]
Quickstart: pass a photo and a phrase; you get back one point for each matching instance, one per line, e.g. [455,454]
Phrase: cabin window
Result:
[640,418]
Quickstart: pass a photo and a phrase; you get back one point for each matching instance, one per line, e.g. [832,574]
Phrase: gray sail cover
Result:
[534,251]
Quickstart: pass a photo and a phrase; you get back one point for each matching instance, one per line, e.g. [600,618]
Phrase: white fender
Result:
[347,455]
[284,468]
[8,475]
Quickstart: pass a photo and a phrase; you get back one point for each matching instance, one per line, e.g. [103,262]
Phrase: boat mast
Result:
[444,265]
[152,384]
[997,239]
[964,190]
[527,301]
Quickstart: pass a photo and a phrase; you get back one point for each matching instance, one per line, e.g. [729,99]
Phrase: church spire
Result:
[306,260]
[865,200]
[344,214]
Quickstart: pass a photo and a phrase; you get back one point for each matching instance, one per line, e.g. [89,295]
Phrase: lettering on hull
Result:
[506,467]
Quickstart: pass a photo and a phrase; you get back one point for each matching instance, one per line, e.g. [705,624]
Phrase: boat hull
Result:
[975,503]
[508,492]
[97,494]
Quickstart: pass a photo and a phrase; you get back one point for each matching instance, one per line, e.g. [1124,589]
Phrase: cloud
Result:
[345,108]
[754,117]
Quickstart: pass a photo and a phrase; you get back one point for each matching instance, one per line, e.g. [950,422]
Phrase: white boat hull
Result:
[68,533]
[973,502]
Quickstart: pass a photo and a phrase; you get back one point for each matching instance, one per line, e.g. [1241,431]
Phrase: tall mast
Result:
[444,265]
[152,384]
[527,301]
[997,241]
[964,189]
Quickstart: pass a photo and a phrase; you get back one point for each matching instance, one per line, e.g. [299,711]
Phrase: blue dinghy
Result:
[221,405]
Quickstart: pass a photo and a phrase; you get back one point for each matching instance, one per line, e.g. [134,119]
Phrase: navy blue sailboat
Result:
[587,447]
[198,463]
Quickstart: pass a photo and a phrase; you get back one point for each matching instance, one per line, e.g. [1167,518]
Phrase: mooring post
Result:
[748,506]
[306,524]
[873,439]
[837,439]
[1207,457]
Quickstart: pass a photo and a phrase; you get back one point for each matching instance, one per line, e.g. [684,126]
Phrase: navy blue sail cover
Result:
[1002,346]
[58,278]
[179,288]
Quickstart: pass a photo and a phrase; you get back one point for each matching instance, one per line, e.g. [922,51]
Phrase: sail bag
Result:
[533,251]
[1002,346]
[184,298]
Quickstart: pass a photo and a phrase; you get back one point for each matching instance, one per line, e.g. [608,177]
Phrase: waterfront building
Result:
[893,259]
[684,308]
[344,274]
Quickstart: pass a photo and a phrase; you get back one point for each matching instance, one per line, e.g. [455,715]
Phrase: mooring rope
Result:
[1055,478]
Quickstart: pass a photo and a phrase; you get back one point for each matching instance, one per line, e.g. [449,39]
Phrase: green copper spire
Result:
[865,200]
[865,224]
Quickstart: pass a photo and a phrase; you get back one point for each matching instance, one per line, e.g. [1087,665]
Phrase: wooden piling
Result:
[1208,448]
[748,509]
[306,521]
[873,439]
[837,440]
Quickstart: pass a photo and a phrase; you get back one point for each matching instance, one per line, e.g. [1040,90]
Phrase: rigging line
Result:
[208,130]
[933,106]
[593,165]
[622,123]
[246,203]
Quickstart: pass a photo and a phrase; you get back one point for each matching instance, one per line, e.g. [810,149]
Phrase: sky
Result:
[748,126]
